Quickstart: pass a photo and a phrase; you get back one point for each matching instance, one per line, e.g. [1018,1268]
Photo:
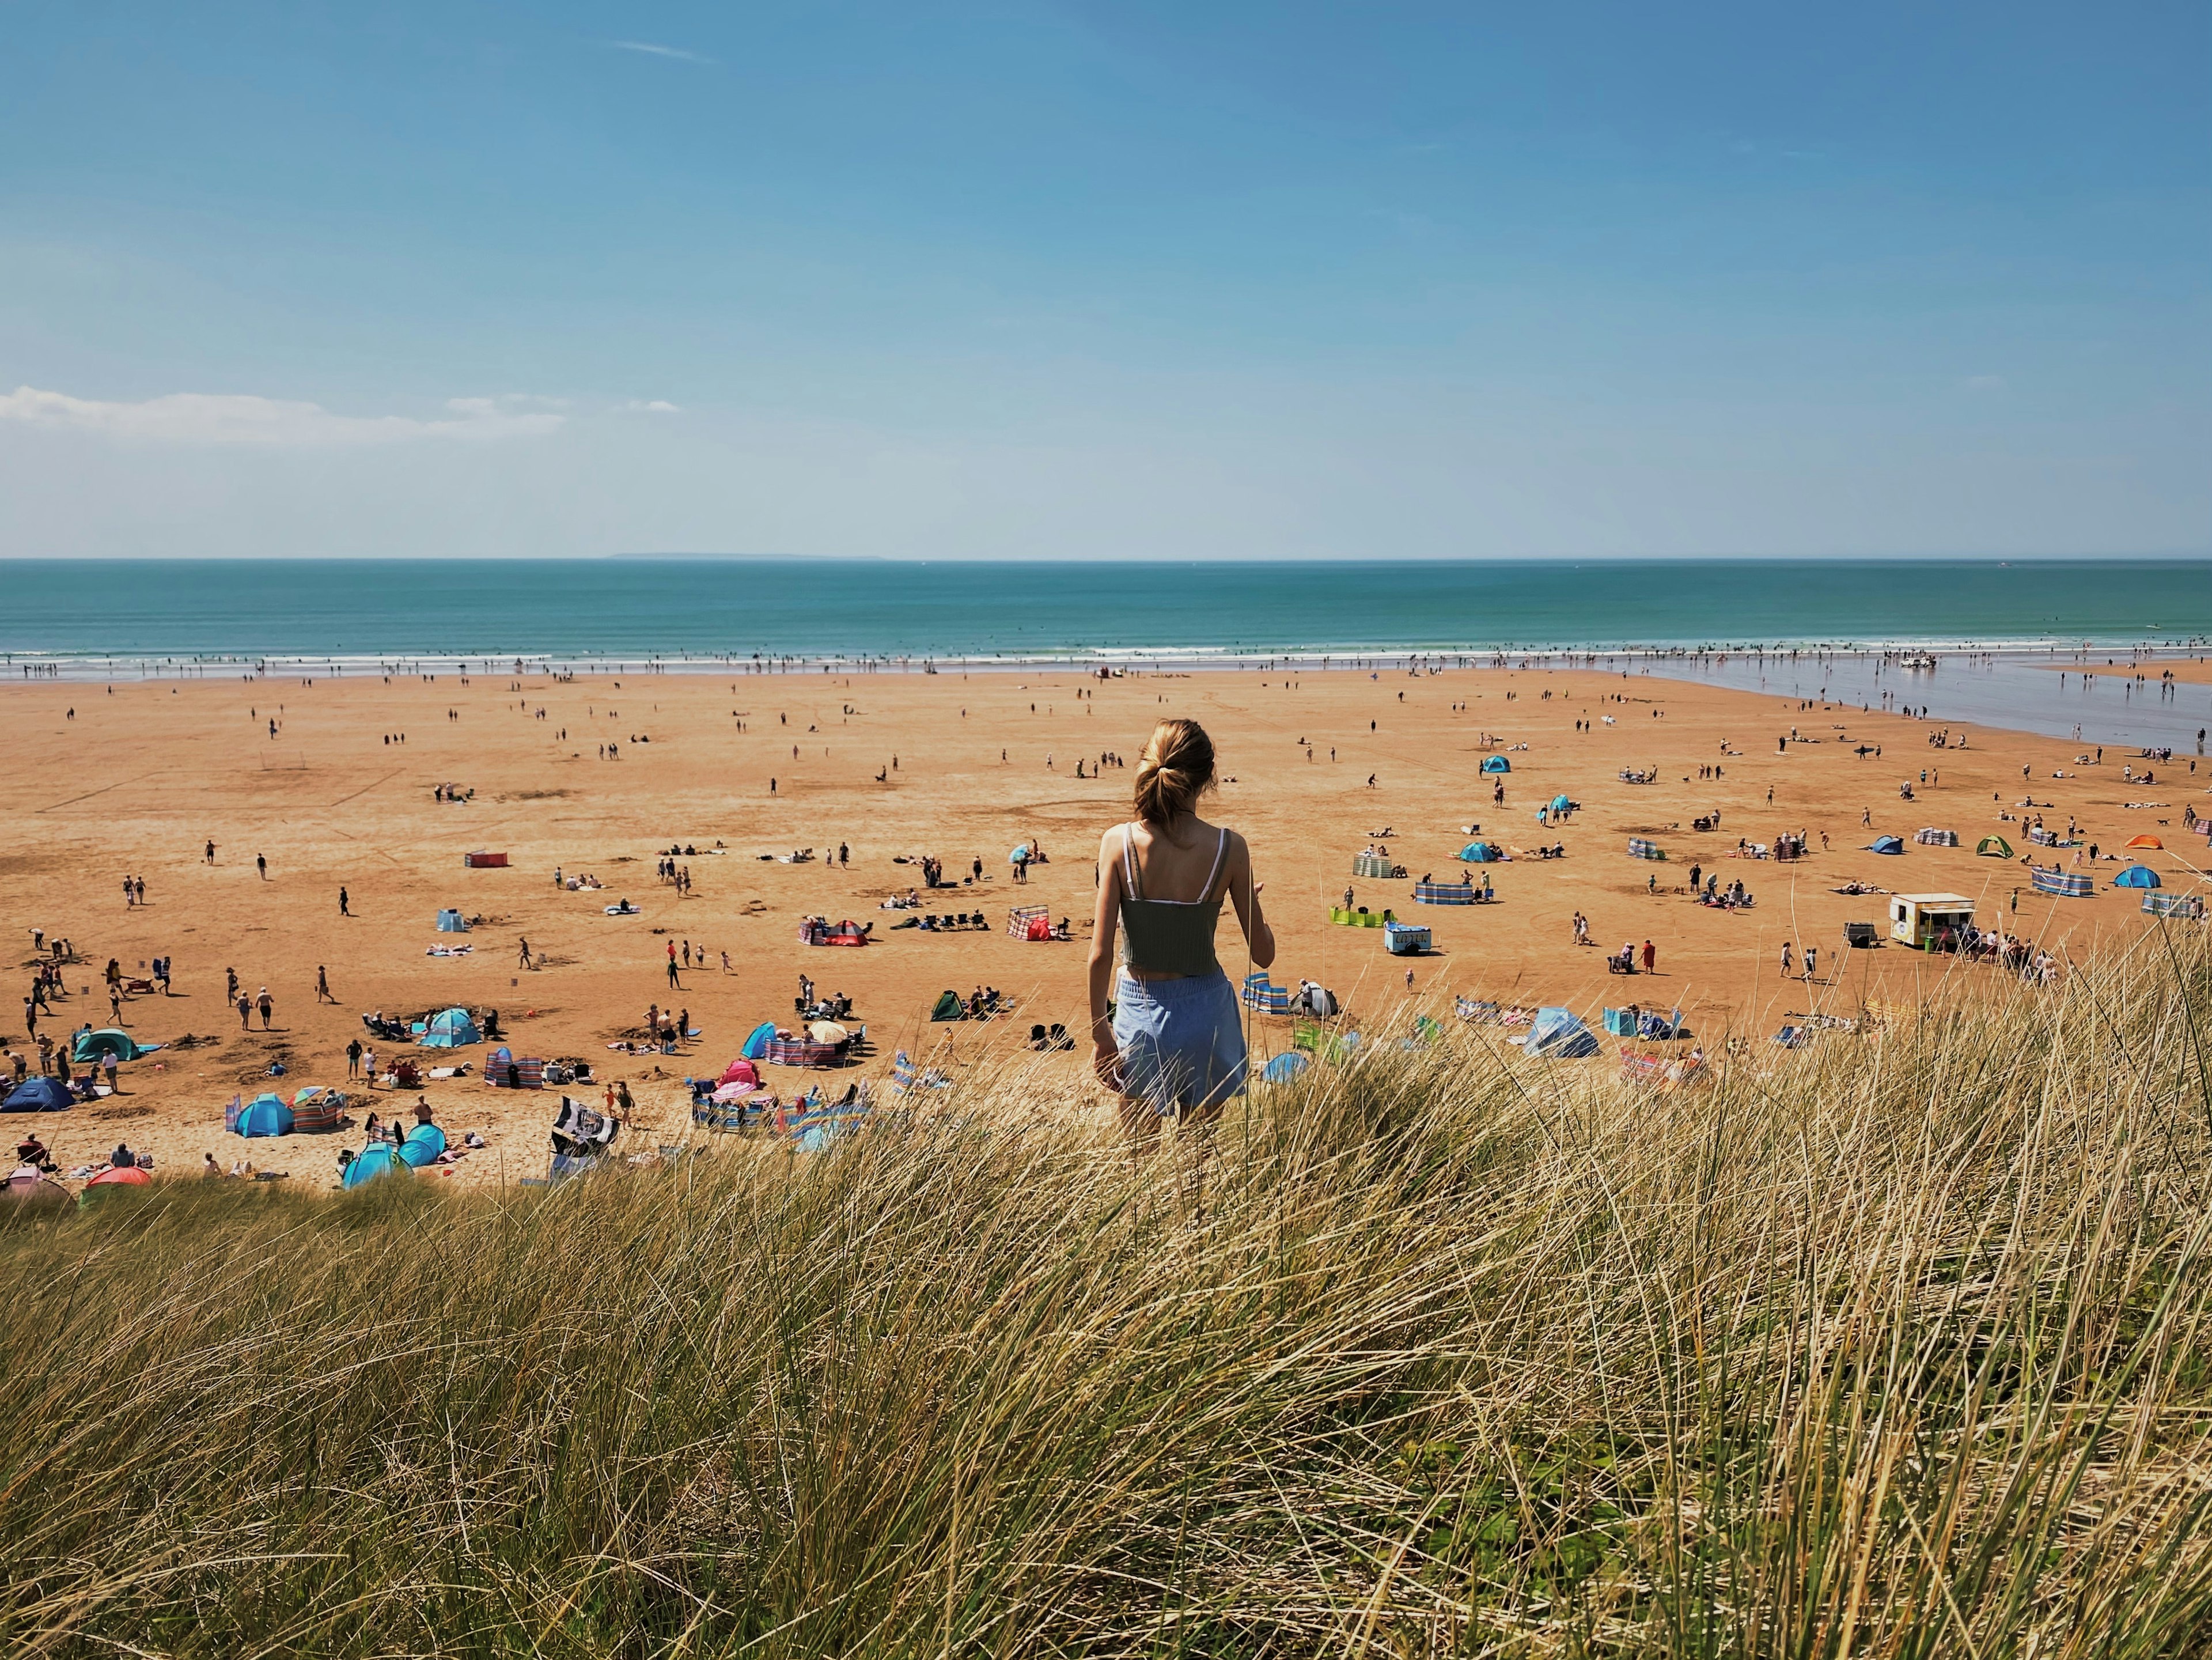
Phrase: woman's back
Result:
[1172,883]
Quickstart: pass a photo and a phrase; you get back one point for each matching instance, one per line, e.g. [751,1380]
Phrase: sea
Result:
[2011,642]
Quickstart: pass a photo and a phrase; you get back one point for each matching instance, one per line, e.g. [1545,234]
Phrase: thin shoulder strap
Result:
[1220,853]
[1129,863]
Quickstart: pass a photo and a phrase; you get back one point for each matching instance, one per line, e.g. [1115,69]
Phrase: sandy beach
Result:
[345,793]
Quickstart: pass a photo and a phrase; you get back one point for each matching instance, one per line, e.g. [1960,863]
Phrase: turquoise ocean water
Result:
[1721,620]
[368,610]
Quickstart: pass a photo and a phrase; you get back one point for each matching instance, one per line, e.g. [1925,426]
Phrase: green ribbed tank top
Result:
[1168,936]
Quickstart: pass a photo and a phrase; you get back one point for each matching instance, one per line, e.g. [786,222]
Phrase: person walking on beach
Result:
[1785,959]
[1173,1045]
[211,852]
[261,864]
[345,902]
[323,985]
[244,1013]
[266,1003]
[1650,957]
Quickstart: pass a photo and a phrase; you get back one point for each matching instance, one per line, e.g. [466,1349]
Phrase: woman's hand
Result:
[1106,1062]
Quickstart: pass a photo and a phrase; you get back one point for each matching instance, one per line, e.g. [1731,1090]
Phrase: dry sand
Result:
[145,774]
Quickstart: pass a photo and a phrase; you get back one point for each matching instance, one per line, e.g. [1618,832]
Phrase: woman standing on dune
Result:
[1173,1044]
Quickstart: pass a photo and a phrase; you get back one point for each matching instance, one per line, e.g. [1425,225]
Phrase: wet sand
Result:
[146,773]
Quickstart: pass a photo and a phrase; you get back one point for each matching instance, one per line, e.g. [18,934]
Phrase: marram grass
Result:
[1892,1346]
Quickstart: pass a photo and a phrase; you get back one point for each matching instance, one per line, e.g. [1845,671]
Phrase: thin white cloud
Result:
[239,419]
[650,406]
[652,51]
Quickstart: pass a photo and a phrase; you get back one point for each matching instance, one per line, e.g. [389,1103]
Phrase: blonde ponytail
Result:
[1177,767]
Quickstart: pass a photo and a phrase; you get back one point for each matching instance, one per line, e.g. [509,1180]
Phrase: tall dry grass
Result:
[1889,1347]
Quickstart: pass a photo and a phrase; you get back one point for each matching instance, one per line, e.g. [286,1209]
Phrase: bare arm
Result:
[1244,894]
[1105,1057]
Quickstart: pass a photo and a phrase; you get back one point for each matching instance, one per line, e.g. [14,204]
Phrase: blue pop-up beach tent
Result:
[423,1146]
[2138,876]
[1497,763]
[450,1029]
[38,1095]
[1478,853]
[1558,1035]
[450,921]
[755,1047]
[1886,844]
[372,1161]
[265,1115]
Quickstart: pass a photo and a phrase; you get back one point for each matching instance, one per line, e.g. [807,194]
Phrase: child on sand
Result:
[1173,1044]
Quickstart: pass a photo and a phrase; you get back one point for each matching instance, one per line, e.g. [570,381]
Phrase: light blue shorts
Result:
[1181,1042]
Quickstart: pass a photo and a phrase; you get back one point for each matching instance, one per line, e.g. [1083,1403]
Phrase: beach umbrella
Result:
[2151,842]
[828,1032]
[1018,855]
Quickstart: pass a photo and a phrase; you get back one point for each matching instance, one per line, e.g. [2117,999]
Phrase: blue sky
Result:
[1033,281]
